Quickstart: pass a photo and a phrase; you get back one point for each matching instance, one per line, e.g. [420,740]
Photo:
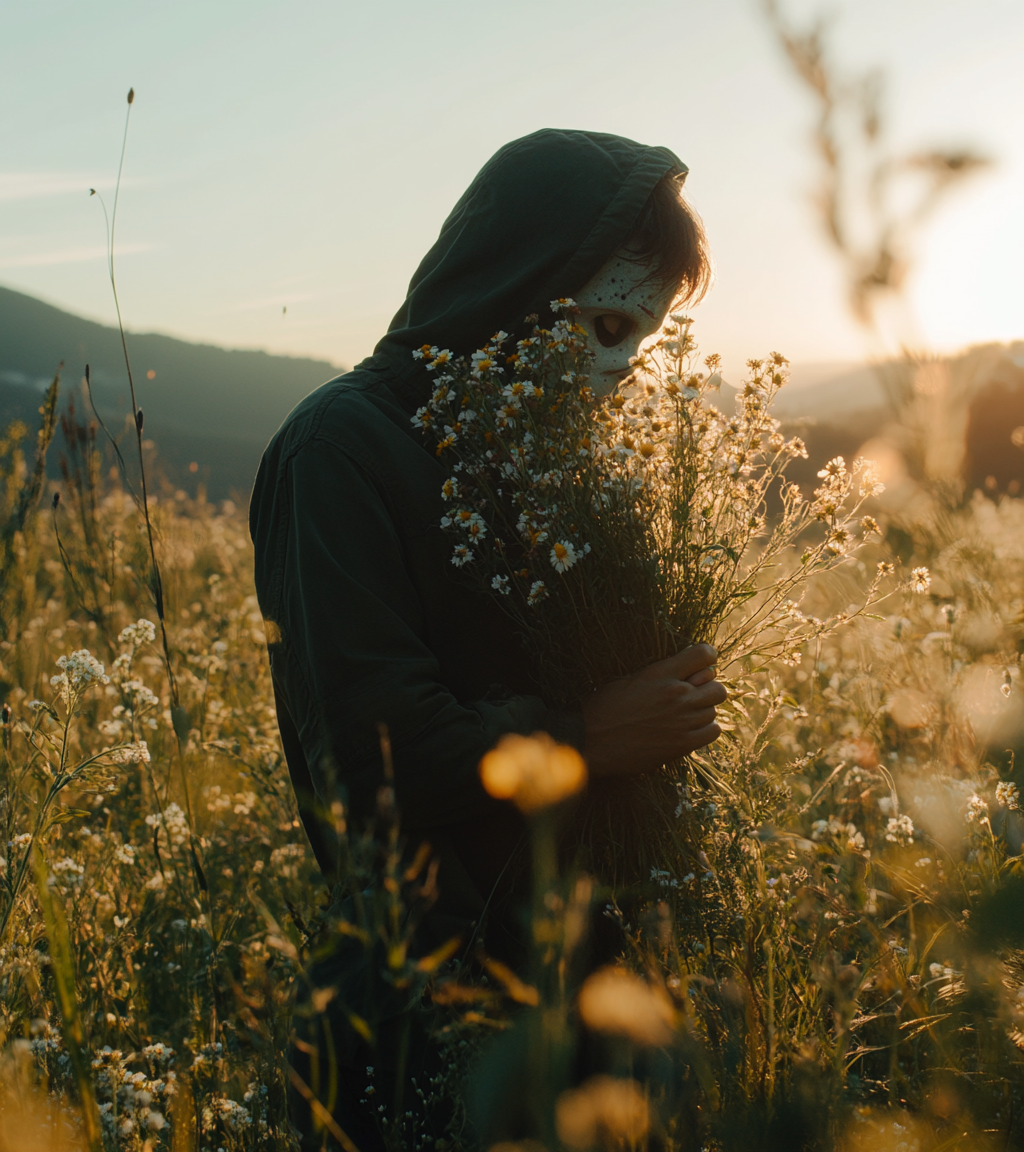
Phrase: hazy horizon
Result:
[306,158]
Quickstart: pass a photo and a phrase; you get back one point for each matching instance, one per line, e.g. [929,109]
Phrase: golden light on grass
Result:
[30,1121]
[911,708]
[532,771]
[887,1130]
[603,1113]
[618,1002]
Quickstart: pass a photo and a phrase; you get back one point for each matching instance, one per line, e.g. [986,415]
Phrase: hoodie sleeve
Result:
[350,653]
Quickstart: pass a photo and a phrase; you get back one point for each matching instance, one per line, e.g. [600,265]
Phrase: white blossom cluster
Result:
[1008,795]
[510,419]
[845,832]
[137,1101]
[77,672]
[900,830]
[233,1115]
[285,860]
[137,753]
[173,822]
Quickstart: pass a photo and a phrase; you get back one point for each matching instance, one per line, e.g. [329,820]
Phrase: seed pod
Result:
[56,500]
[138,421]
[131,95]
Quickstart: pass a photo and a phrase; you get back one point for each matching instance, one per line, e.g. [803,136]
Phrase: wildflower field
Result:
[828,954]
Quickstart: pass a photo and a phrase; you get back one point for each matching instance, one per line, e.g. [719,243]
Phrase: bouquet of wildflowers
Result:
[617,531]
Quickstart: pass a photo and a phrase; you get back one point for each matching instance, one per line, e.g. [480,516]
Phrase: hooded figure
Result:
[367,622]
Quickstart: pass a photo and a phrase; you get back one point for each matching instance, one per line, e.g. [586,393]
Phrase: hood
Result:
[540,218]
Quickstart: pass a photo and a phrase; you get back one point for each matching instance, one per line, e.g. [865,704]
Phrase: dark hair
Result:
[669,235]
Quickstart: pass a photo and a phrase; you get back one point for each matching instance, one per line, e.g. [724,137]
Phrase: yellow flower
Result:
[532,771]
[605,1112]
[616,1001]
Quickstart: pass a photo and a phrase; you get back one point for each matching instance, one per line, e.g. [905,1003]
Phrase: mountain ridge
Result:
[205,405]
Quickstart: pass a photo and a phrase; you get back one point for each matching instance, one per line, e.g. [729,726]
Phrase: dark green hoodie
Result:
[372,623]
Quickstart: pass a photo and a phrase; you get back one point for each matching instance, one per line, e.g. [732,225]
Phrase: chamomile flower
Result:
[515,392]
[920,580]
[1008,795]
[471,522]
[563,555]
[835,469]
[538,592]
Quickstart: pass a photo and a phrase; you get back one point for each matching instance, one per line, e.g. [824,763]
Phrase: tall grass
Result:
[832,960]
[836,966]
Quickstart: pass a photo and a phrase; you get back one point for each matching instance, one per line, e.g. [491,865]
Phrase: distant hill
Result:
[210,406]
[828,392]
[840,407]
[217,408]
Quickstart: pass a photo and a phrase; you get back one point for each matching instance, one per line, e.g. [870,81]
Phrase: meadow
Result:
[831,959]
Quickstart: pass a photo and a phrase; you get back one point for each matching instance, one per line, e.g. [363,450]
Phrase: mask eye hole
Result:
[611,328]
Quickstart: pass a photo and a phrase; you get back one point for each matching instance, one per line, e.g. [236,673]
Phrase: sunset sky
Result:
[304,154]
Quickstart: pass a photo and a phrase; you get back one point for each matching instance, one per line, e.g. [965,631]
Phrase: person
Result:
[368,624]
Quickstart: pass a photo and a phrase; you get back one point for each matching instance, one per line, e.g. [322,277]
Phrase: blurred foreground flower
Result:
[532,771]
[603,1113]
[614,1000]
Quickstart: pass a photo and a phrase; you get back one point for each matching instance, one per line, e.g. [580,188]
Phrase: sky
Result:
[302,155]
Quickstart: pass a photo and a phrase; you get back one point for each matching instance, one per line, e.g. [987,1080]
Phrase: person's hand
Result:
[659,714]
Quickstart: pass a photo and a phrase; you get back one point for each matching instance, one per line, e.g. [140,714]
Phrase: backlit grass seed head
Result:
[870,480]
[618,1002]
[532,771]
